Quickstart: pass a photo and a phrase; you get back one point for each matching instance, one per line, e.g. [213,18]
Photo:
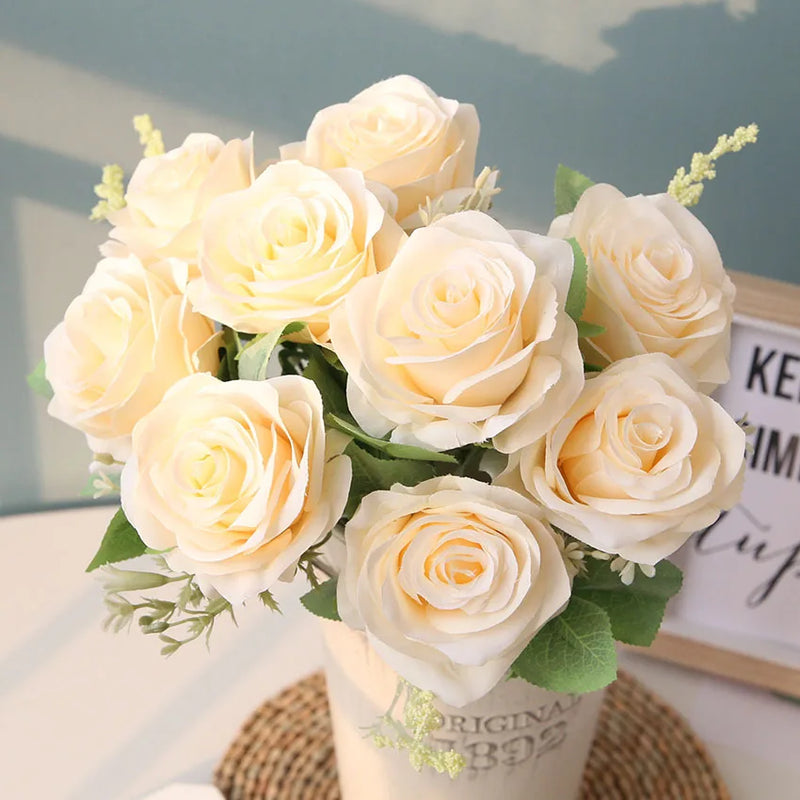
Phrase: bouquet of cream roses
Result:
[505,432]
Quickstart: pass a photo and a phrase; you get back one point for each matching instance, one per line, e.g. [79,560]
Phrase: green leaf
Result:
[268,600]
[587,367]
[332,359]
[572,653]
[635,611]
[576,296]
[254,357]
[232,345]
[322,600]
[39,383]
[371,474]
[391,449]
[292,358]
[588,329]
[121,542]
[569,186]
[329,380]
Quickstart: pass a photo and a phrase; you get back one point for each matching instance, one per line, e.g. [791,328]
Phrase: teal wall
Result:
[623,90]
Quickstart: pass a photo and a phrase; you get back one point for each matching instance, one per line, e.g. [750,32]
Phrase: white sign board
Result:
[743,573]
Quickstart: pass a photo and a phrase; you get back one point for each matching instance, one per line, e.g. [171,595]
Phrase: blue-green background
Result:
[675,76]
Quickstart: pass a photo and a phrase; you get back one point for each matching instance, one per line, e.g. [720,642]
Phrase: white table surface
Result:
[88,715]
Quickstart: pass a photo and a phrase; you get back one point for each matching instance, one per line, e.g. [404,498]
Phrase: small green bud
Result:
[128,580]
[159,626]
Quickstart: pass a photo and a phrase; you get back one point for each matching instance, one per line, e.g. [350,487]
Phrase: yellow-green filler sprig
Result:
[149,136]
[111,191]
[420,719]
[687,188]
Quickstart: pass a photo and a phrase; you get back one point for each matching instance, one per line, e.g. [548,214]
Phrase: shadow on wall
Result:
[554,81]
[566,32]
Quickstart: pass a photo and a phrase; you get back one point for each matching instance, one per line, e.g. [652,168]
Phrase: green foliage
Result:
[229,351]
[586,330]
[636,610]
[321,600]
[330,381]
[389,449]
[121,542]
[572,653]
[268,601]
[576,296]
[253,358]
[176,622]
[371,474]
[569,186]
[38,382]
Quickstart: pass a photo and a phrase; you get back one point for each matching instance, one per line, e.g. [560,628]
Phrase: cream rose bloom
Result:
[168,195]
[290,247]
[450,580]
[640,462]
[400,133]
[124,341]
[236,478]
[464,338]
[656,280]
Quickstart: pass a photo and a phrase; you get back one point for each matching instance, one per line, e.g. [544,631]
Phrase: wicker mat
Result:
[643,751]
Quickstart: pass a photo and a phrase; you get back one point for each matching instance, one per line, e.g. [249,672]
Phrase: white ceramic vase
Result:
[520,742]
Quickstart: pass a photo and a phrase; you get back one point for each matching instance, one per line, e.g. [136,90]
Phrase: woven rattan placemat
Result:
[643,751]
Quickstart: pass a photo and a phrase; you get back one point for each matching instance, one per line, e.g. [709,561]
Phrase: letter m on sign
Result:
[782,462]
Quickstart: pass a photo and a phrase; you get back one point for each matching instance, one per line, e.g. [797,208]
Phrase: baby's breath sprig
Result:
[420,719]
[749,429]
[572,552]
[431,211]
[485,189]
[149,136]
[104,476]
[192,614]
[479,199]
[625,568]
[111,191]
[744,423]
[687,187]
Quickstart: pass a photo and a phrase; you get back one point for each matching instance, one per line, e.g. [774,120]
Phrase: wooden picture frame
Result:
[772,308]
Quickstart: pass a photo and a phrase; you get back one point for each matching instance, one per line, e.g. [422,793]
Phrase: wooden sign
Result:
[739,611]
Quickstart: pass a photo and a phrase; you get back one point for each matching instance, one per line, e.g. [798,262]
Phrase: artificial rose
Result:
[124,341]
[400,133]
[290,247]
[640,462]
[464,338]
[656,280]
[168,195]
[235,480]
[450,580]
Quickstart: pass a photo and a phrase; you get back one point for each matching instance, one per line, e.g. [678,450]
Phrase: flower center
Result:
[456,562]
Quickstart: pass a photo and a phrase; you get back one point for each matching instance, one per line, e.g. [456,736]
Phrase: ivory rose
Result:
[167,196]
[124,341]
[400,133]
[656,280]
[290,247]
[464,338]
[235,477]
[450,580]
[640,462]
